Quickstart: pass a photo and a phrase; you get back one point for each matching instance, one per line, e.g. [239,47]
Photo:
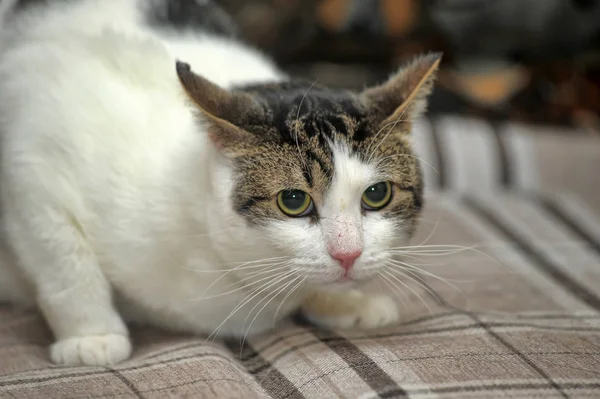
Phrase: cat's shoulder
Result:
[133,36]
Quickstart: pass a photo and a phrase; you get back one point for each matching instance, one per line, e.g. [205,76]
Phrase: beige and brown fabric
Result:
[517,314]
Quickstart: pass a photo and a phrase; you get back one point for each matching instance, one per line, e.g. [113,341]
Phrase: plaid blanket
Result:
[516,314]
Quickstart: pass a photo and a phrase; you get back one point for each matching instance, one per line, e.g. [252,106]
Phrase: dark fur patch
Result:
[324,113]
[206,16]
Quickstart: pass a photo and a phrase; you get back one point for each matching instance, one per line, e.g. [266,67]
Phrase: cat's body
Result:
[146,207]
[117,188]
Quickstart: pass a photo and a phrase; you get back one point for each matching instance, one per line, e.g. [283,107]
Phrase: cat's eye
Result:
[377,196]
[295,203]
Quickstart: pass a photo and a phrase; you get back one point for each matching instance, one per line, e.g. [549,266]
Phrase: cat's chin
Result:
[338,286]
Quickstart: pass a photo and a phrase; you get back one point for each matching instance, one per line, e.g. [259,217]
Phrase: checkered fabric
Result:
[517,315]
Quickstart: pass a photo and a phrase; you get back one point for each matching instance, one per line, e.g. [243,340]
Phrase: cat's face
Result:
[328,177]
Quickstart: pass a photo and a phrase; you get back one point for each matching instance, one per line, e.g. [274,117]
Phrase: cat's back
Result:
[90,102]
[94,80]
[77,90]
[218,57]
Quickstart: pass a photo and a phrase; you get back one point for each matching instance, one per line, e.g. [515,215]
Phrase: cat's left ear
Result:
[404,96]
[226,111]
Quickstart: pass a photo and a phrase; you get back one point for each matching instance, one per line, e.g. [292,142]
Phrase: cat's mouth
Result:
[346,280]
[340,285]
[334,276]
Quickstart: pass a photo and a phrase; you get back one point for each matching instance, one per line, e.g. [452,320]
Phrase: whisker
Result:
[421,263]
[258,260]
[380,161]
[238,268]
[429,252]
[391,275]
[413,269]
[230,271]
[440,246]
[395,289]
[399,119]
[297,122]
[438,250]
[419,280]
[406,255]
[243,287]
[425,272]
[274,295]
[249,298]
[433,230]
[390,130]
[381,129]
[252,275]
[294,288]
[459,249]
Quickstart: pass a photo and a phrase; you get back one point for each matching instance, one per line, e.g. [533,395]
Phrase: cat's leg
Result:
[71,291]
[350,309]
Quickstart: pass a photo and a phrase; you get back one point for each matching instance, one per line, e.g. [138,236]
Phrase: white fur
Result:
[108,185]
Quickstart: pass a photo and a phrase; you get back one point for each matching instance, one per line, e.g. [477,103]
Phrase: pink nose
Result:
[346,259]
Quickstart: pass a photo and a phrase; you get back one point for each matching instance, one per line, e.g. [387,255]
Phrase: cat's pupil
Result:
[294,199]
[377,192]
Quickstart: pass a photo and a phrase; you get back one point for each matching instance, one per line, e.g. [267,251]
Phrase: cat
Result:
[178,178]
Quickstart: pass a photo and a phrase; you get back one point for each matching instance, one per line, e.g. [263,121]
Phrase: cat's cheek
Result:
[381,234]
[297,238]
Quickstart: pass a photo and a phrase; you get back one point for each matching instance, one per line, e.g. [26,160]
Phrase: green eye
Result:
[294,203]
[377,196]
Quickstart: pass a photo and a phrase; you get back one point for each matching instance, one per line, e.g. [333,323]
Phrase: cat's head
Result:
[326,176]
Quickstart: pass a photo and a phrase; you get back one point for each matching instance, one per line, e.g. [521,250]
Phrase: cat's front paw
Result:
[92,350]
[352,310]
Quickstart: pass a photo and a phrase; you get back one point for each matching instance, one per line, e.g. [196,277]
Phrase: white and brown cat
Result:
[180,179]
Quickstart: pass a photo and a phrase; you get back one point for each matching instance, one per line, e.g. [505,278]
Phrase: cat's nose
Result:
[346,259]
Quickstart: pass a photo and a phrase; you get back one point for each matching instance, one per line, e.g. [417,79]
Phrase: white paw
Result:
[91,350]
[372,311]
[378,311]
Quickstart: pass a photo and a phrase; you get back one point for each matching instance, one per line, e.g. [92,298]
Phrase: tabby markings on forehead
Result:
[304,121]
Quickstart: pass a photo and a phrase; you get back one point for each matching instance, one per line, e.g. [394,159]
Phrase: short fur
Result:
[140,170]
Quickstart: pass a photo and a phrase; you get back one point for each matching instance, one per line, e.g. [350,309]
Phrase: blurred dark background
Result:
[524,60]
[527,60]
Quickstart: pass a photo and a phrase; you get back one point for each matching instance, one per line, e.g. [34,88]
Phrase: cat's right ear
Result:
[226,111]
